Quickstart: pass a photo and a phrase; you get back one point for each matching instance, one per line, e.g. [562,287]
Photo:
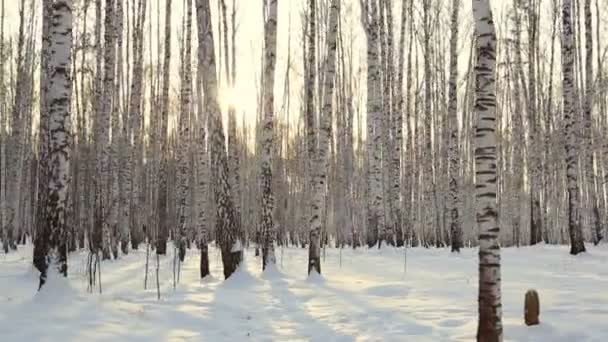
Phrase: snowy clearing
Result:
[364,295]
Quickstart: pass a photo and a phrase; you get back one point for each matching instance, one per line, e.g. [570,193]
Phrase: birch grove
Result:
[385,124]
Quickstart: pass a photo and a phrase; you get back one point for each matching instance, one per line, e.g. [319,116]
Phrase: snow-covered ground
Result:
[363,295]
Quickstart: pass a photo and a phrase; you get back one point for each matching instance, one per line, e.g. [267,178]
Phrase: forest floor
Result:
[363,295]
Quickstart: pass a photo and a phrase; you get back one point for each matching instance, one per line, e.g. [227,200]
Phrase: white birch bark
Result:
[103,130]
[96,236]
[115,162]
[183,163]
[163,209]
[536,224]
[593,210]
[375,215]
[14,146]
[134,165]
[59,100]
[42,231]
[428,182]
[270,48]
[453,203]
[124,142]
[390,155]
[577,244]
[490,309]
[202,157]
[318,202]
[229,238]
[309,86]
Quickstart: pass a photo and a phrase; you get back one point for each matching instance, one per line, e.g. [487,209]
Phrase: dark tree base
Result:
[161,247]
[204,264]
[124,246]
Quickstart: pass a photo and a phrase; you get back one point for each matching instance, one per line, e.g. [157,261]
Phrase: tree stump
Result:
[531,308]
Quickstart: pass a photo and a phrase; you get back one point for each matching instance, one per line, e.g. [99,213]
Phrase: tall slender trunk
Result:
[229,237]
[14,145]
[309,87]
[455,227]
[123,142]
[43,136]
[375,216]
[577,244]
[536,224]
[270,49]
[398,165]
[593,211]
[490,309]
[183,163]
[103,130]
[59,99]
[134,165]
[163,210]
[321,157]
[41,241]
[96,236]
[602,113]
[428,182]
[391,153]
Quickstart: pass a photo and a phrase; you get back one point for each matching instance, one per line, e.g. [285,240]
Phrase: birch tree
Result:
[183,163]
[270,50]
[123,142]
[321,157]
[455,228]
[59,96]
[590,173]
[103,129]
[375,215]
[15,148]
[577,244]
[163,211]
[134,164]
[41,241]
[310,32]
[229,238]
[490,310]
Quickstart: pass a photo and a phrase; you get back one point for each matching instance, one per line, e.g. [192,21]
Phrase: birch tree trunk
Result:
[103,129]
[603,103]
[3,119]
[375,216]
[270,48]
[96,236]
[229,237]
[202,157]
[321,158]
[392,135]
[184,132]
[14,144]
[309,89]
[398,165]
[124,143]
[163,210]
[577,244]
[490,309]
[41,240]
[59,99]
[134,165]
[593,211]
[536,224]
[455,227]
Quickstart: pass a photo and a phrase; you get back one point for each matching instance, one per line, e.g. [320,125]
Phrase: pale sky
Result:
[250,42]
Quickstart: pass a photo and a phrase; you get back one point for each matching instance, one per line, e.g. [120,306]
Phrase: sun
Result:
[229,97]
